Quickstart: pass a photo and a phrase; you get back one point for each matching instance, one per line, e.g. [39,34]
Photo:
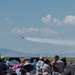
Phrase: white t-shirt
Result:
[18,71]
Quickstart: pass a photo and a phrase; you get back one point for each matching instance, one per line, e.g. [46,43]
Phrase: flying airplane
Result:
[22,37]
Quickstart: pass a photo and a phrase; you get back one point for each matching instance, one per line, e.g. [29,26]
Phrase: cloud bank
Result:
[68,20]
[43,31]
[51,41]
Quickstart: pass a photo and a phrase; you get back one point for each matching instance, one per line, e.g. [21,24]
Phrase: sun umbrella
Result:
[13,62]
[28,67]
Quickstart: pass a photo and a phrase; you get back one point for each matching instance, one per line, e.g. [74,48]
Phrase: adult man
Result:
[55,65]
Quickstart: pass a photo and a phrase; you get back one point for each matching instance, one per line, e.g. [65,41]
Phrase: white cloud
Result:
[43,31]
[51,41]
[68,20]
[57,22]
[47,19]
[48,31]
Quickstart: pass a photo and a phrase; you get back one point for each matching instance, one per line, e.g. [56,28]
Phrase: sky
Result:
[46,26]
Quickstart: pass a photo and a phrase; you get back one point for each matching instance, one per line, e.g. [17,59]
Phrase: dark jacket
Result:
[3,68]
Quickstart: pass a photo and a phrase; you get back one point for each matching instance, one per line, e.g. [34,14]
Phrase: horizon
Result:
[13,53]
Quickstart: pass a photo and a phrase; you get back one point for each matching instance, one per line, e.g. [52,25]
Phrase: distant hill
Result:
[12,53]
[72,55]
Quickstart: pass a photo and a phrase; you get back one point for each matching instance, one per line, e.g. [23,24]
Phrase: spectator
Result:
[3,59]
[39,65]
[34,63]
[47,68]
[3,68]
[55,65]
[22,61]
[20,65]
[64,60]
[28,66]
[61,64]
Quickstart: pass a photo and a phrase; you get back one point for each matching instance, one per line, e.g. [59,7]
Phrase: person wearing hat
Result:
[3,59]
[3,68]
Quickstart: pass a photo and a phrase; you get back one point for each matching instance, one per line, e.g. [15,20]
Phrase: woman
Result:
[47,68]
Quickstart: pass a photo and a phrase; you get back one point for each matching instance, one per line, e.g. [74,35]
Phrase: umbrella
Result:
[69,70]
[13,62]
[28,67]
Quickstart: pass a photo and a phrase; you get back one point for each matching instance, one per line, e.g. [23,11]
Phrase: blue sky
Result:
[47,26]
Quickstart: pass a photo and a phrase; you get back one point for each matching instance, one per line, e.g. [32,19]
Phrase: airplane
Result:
[22,37]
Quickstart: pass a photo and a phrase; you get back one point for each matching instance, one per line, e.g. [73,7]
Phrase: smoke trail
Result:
[51,41]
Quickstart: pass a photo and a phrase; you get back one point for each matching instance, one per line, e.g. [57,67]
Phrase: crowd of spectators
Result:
[41,67]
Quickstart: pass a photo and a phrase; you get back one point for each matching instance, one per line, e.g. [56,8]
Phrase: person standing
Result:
[39,65]
[47,68]
[64,60]
[55,65]
[20,65]
[61,64]
[34,63]
[3,68]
